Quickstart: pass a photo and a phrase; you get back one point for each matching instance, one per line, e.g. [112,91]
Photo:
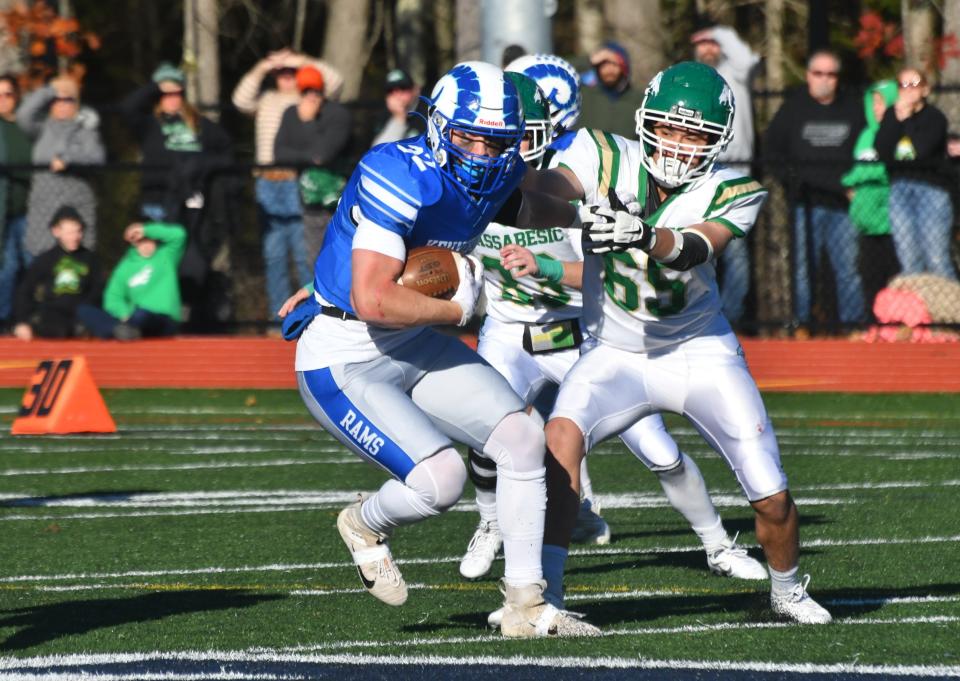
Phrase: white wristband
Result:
[676,250]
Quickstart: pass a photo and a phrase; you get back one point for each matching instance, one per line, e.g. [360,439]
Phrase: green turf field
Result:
[207,524]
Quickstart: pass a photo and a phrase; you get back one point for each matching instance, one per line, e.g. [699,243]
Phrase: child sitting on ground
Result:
[142,297]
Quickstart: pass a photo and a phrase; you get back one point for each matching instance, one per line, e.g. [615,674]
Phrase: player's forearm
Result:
[573,274]
[540,211]
[396,307]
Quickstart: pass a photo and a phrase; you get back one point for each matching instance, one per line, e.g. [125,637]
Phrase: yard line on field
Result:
[892,600]
[95,663]
[289,567]
[202,465]
[166,449]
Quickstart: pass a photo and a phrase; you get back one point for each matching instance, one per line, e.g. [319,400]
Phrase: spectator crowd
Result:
[866,178]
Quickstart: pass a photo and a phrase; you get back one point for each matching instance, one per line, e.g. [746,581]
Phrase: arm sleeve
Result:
[115,299]
[736,51]
[582,157]
[889,133]
[33,111]
[736,205]
[930,139]
[388,193]
[172,237]
[331,137]
[24,302]
[136,107]
[246,95]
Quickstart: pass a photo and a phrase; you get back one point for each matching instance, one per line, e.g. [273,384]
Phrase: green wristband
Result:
[550,269]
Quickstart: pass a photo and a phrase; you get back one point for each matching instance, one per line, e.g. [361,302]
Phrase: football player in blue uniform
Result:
[373,372]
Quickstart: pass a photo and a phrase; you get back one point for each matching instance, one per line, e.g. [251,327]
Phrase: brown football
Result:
[432,271]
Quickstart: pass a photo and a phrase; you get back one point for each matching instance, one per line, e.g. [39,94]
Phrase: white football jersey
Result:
[527,299]
[631,301]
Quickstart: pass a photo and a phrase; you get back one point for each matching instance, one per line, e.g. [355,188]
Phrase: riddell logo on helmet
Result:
[493,124]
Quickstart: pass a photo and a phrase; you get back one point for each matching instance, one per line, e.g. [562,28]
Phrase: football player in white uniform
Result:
[532,333]
[651,302]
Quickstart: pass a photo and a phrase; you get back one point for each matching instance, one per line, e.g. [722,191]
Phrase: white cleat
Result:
[591,528]
[733,561]
[371,554]
[495,618]
[526,615]
[481,551]
[797,605]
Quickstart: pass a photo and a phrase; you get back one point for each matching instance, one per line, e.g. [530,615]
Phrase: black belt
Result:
[337,313]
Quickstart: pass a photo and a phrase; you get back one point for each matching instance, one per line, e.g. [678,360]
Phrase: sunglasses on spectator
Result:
[824,74]
[72,100]
[7,93]
[905,84]
[171,93]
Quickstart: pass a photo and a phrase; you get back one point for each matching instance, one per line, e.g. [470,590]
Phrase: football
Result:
[432,271]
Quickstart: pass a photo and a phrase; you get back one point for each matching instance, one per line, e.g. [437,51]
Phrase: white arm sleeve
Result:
[372,237]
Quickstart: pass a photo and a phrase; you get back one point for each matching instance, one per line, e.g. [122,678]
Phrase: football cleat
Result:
[733,561]
[481,551]
[371,555]
[527,615]
[591,528]
[797,605]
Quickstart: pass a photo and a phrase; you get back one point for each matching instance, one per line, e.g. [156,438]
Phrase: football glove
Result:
[470,271]
[617,228]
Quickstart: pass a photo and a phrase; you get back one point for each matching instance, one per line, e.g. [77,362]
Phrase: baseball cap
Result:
[398,79]
[309,78]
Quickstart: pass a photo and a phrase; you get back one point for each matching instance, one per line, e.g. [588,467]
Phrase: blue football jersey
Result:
[399,187]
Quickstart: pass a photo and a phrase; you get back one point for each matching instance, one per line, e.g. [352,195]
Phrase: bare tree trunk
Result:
[411,38]
[468,22]
[771,261]
[443,33]
[11,55]
[589,22]
[208,57]
[636,25]
[345,44]
[918,28]
[190,47]
[949,101]
[298,24]
[716,11]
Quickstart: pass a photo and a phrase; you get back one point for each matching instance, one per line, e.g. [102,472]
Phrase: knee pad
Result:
[439,480]
[517,445]
[482,471]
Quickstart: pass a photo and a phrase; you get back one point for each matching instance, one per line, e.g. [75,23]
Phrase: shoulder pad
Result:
[411,166]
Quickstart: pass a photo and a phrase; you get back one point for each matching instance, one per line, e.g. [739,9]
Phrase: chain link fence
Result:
[804,269]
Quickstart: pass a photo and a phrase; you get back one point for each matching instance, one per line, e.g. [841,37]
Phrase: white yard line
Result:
[73,665]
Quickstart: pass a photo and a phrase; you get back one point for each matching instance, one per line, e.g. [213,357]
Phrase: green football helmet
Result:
[536,115]
[691,96]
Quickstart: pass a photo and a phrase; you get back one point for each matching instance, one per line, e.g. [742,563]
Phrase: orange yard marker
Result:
[63,398]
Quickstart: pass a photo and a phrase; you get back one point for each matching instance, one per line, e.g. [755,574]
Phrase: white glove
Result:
[470,270]
[608,229]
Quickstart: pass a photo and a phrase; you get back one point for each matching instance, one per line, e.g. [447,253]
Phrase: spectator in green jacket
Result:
[868,188]
[142,297]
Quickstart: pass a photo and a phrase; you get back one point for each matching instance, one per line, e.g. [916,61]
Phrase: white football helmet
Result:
[559,81]
[474,98]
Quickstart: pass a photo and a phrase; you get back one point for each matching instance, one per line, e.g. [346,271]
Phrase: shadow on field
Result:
[52,500]
[44,623]
[744,526]
[755,606]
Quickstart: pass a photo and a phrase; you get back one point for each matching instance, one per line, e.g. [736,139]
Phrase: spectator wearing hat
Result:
[312,134]
[177,144]
[14,187]
[57,282]
[66,138]
[609,101]
[402,96]
[724,50]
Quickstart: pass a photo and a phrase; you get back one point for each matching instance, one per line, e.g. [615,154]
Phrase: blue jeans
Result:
[13,261]
[101,323]
[735,281]
[283,238]
[921,218]
[830,230]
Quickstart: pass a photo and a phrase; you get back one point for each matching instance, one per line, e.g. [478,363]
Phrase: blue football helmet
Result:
[559,81]
[474,98]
